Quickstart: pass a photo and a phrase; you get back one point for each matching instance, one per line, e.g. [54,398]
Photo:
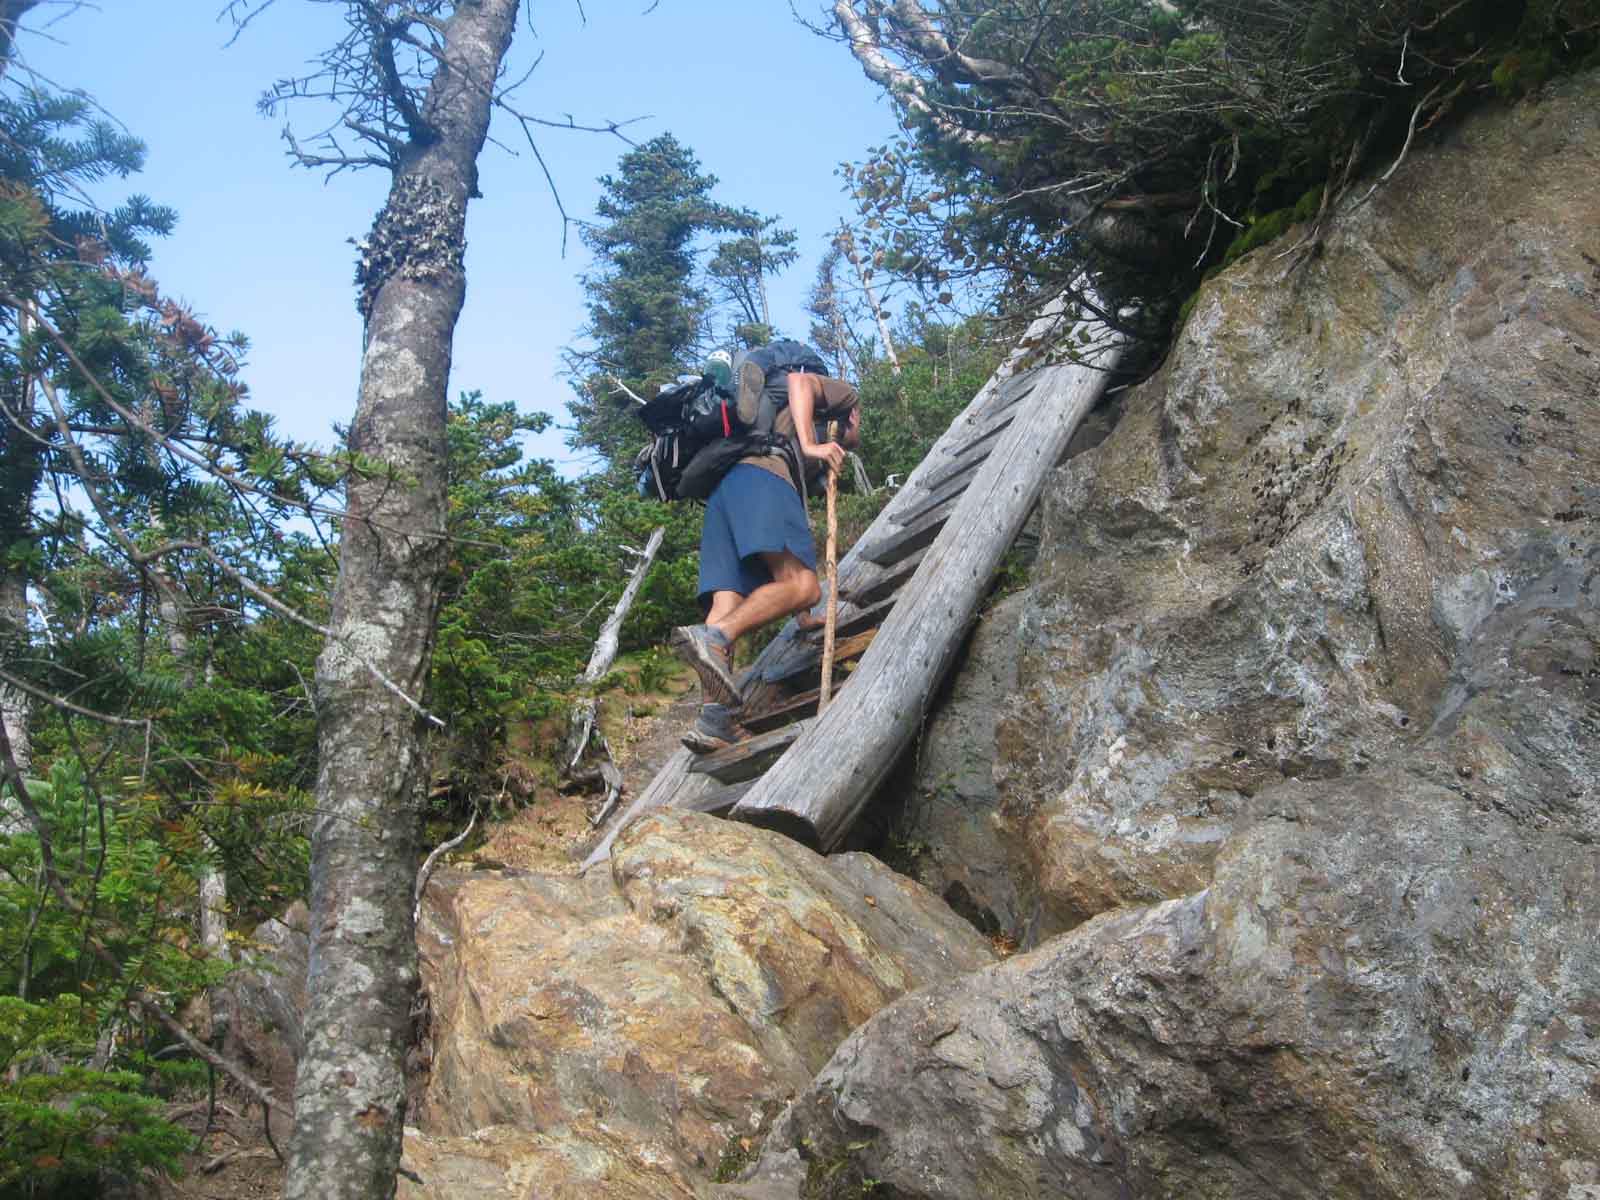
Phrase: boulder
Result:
[1351,460]
[662,1014]
[1382,994]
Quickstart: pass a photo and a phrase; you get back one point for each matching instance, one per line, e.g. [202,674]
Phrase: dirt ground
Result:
[549,833]
[234,1161]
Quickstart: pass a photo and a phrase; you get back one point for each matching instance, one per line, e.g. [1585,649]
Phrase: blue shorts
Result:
[751,513]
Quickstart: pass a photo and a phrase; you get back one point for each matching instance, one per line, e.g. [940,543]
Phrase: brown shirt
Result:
[838,398]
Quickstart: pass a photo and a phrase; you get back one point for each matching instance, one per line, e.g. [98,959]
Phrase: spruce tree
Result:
[650,309]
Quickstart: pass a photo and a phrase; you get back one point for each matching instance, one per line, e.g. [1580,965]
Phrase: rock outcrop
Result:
[1278,565]
[947,833]
[1306,752]
[625,1033]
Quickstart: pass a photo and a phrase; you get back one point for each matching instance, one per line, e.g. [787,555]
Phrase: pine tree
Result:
[647,308]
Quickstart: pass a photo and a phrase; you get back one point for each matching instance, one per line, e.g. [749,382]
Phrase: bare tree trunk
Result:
[11,11]
[350,1097]
[13,637]
[847,242]
[584,713]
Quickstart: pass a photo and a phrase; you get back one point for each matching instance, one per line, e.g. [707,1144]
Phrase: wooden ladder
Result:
[908,592]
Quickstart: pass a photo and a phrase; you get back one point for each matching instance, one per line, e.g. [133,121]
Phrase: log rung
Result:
[747,760]
[717,801]
[862,619]
[845,650]
[950,490]
[912,538]
[969,455]
[792,708]
[878,585]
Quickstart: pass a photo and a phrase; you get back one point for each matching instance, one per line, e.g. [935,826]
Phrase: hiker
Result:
[758,562]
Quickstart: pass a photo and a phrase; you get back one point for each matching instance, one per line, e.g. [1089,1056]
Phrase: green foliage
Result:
[1043,139]
[654,668]
[537,564]
[942,368]
[59,1130]
[130,879]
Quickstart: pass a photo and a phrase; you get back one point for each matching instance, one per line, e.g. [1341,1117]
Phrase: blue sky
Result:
[262,247]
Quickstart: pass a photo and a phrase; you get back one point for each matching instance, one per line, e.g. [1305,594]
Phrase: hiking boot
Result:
[714,730]
[709,653]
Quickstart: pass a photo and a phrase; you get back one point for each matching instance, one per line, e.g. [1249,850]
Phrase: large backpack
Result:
[701,430]
[761,378]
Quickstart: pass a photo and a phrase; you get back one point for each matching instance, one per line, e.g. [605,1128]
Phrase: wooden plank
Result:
[717,801]
[748,759]
[1019,387]
[853,620]
[949,490]
[881,582]
[803,667]
[903,543]
[969,457]
[820,787]
[791,708]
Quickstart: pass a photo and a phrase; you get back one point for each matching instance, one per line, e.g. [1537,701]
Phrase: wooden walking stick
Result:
[832,620]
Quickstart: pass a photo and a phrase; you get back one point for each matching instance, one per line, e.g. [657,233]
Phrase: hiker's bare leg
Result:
[794,587]
[722,604]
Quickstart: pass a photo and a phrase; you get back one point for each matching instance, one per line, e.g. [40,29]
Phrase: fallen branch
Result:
[432,861]
[228,1157]
[581,726]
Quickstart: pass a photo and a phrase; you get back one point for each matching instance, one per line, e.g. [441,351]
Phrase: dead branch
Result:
[229,1157]
[626,390]
[605,646]
[432,861]
[587,709]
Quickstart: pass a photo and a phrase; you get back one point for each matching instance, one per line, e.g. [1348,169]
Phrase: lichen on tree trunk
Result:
[350,1090]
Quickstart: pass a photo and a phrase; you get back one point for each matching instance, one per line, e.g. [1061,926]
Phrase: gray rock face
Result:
[1374,998]
[949,831]
[1279,563]
[1306,751]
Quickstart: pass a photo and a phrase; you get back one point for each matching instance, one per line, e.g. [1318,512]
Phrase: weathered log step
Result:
[911,538]
[747,760]
[871,587]
[717,801]
[969,456]
[793,708]
[1007,396]
[796,672]
[950,490]
[856,621]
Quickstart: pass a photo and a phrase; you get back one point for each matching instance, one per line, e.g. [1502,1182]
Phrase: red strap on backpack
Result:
[727,428]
